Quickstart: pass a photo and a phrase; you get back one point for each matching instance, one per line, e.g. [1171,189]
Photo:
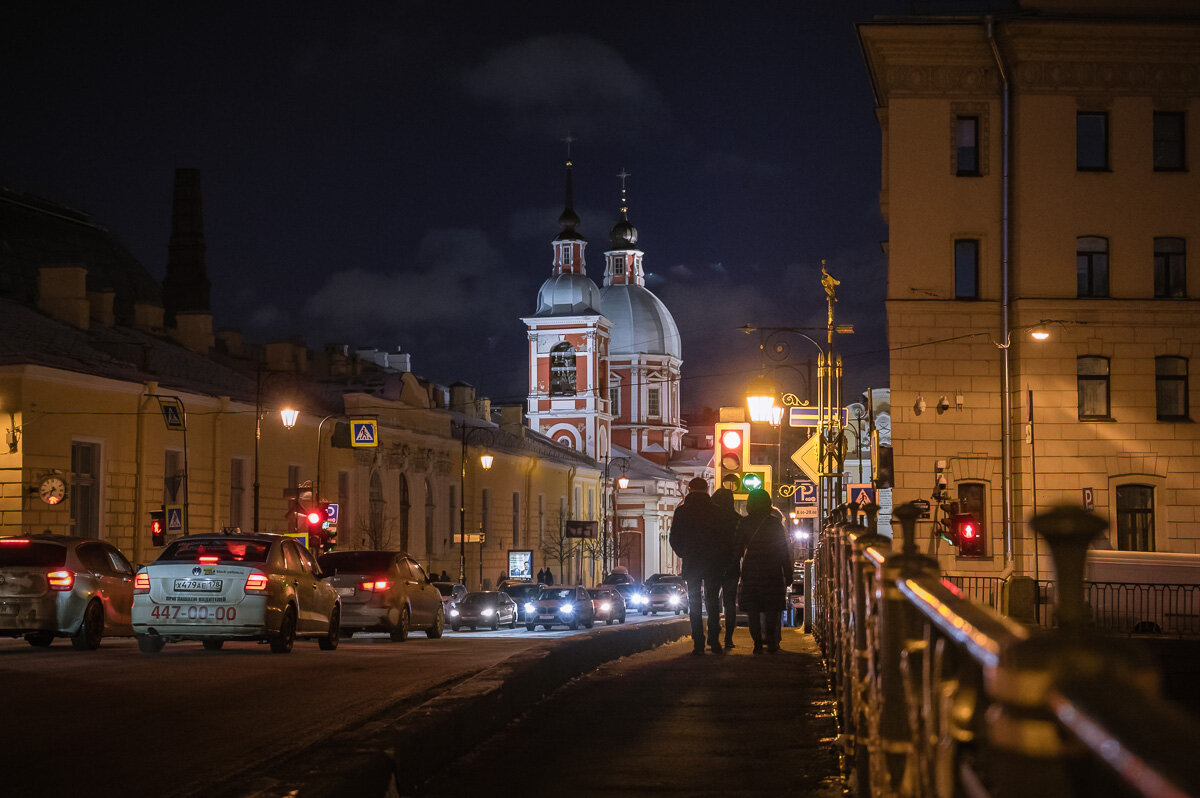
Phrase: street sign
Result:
[807,457]
[364,432]
[581,529]
[1089,499]
[806,492]
[331,513]
[809,511]
[803,416]
[923,506]
[472,537]
[172,413]
[174,517]
[861,494]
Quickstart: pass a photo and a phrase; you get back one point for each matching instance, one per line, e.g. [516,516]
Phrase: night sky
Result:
[391,174]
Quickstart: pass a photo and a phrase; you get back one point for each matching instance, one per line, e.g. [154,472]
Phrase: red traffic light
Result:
[315,517]
[731,439]
[966,533]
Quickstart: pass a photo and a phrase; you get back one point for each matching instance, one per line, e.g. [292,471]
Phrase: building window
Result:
[578,505]
[591,509]
[966,146]
[430,509]
[1135,518]
[85,489]
[566,254]
[614,399]
[237,492]
[1170,273]
[966,268]
[1169,149]
[972,498]
[653,405]
[403,506]
[516,518]
[1091,266]
[1091,141]
[1092,379]
[562,370]
[1171,388]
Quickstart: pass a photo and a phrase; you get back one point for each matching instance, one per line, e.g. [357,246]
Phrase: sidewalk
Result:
[666,722]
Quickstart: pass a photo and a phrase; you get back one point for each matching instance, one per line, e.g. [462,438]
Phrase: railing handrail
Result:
[980,630]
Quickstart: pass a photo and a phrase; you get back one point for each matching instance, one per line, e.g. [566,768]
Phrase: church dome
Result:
[623,235]
[568,295]
[641,322]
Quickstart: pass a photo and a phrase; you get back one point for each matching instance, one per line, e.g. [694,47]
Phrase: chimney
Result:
[462,399]
[186,286]
[62,294]
[193,330]
[148,317]
[230,342]
[101,303]
[286,356]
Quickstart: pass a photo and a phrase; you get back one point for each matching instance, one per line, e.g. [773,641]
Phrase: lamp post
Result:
[485,461]
[287,415]
[612,540]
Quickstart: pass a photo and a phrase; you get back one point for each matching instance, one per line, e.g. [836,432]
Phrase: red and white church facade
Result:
[604,369]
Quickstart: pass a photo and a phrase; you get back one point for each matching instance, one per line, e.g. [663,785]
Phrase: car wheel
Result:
[609,622]
[282,642]
[213,645]
[150,644]
[91,628]
[531,627]
[589,623]
[454,627]
[331,638]
[512,622]
[400,632]
[574,624]
[39,639]
[439,626]
[495,622]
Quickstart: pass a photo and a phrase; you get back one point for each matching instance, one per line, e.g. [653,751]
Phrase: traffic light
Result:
[321,525]
[158,527]
[755,477]
[732,455]
[967,534]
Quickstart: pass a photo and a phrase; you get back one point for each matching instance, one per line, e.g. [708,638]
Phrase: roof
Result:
[641,323]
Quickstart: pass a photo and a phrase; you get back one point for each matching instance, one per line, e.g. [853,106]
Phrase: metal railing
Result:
[940,695]
[985,590]
[1130,608]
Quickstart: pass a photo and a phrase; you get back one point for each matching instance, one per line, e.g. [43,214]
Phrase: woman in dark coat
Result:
[765,568]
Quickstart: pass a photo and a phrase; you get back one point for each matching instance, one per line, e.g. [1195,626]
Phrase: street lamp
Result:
[287,415]
[485,461]
[612,539]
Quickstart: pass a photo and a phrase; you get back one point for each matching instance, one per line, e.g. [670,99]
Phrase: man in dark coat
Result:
[693,539]
[727,520]
[765,570]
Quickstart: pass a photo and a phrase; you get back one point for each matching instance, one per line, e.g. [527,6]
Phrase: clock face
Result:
[52,490]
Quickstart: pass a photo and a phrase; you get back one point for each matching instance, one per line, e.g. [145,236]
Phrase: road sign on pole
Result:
[364,432]
[172,413]
[808,458]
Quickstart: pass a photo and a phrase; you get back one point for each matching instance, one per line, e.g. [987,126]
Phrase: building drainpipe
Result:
[1005,299]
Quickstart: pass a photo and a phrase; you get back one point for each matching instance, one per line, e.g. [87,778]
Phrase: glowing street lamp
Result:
[760,400]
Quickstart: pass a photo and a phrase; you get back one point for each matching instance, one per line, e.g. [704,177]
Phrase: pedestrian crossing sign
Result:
[174,517]
[172,413]
[364,432]
[861,494]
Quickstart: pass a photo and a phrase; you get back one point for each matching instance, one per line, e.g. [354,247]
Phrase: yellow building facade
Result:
[1039,173]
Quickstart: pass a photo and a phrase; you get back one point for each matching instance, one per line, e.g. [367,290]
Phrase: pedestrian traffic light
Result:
[967,534]
[158,527]
[732,454]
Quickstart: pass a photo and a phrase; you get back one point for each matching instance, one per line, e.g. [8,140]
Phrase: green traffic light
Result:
[752,482]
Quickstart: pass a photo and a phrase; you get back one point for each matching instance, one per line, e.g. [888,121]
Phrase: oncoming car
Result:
[522,594]
[488,608]
[634,596]
[666,597]
[607,604]
[214,588]
[560,605]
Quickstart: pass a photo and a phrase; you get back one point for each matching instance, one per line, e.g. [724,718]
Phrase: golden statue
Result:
[828,281]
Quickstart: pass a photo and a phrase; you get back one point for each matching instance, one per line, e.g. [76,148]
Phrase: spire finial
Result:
[569,140]
[624,198]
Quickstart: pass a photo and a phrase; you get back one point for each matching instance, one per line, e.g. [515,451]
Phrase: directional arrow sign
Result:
[807,458]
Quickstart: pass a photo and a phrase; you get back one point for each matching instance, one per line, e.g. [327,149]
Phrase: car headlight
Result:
[454,613]
[605,607]
[567,609]
[487,611]
[530,607]
[639,599]
[673,600]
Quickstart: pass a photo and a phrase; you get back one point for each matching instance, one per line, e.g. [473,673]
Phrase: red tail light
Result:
[141,582]
[14,541]
[60,580]
[256,582]
[208,558]
[378,586]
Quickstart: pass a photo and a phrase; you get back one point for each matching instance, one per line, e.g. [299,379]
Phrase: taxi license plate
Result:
[193,612]
[198,585]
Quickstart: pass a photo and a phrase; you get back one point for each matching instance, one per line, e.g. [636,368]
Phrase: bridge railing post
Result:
[869,763]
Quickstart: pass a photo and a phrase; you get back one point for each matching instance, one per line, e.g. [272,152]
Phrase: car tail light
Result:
[256,582]
[208,558]
[14,541]
[378,586]
[60,580]
[141,582]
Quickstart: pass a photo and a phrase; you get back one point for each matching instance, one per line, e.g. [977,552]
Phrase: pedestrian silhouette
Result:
[727,520]
[693,537]
[765,570]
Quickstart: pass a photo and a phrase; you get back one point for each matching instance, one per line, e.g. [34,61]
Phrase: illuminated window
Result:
[562,370]
[1170,272]
[1091,266]
[1092,381]
[1091,141]
[1169,149]
[1171,388]
[1135,518]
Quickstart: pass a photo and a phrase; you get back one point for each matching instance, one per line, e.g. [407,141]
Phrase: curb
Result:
[393,759]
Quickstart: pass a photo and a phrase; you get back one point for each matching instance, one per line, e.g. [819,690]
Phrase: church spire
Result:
[623,264]
[569,244]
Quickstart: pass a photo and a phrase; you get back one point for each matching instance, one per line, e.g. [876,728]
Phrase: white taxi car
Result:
[214,588]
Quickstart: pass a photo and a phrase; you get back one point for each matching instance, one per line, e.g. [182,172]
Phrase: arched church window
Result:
[562,370]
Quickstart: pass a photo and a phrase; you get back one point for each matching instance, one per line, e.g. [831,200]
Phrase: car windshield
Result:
[616,579]
[355,562]
[663,589]
[625,590]
[479,598]
[598,593]
[31,553]
[522,591]
[223,549]
[557,593]
[445,588]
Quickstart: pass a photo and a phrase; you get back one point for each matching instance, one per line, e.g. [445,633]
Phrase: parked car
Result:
[666,597]
[634,595]
[216,587]
[607,605]
[58,586]
[384,591]
[522,594]
[451,592]
[560,605]
[488,608]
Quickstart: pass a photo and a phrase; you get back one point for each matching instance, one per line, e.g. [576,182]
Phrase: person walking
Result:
[765,569]
[541,576]
[727,519]
[693,539]
[549,576]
